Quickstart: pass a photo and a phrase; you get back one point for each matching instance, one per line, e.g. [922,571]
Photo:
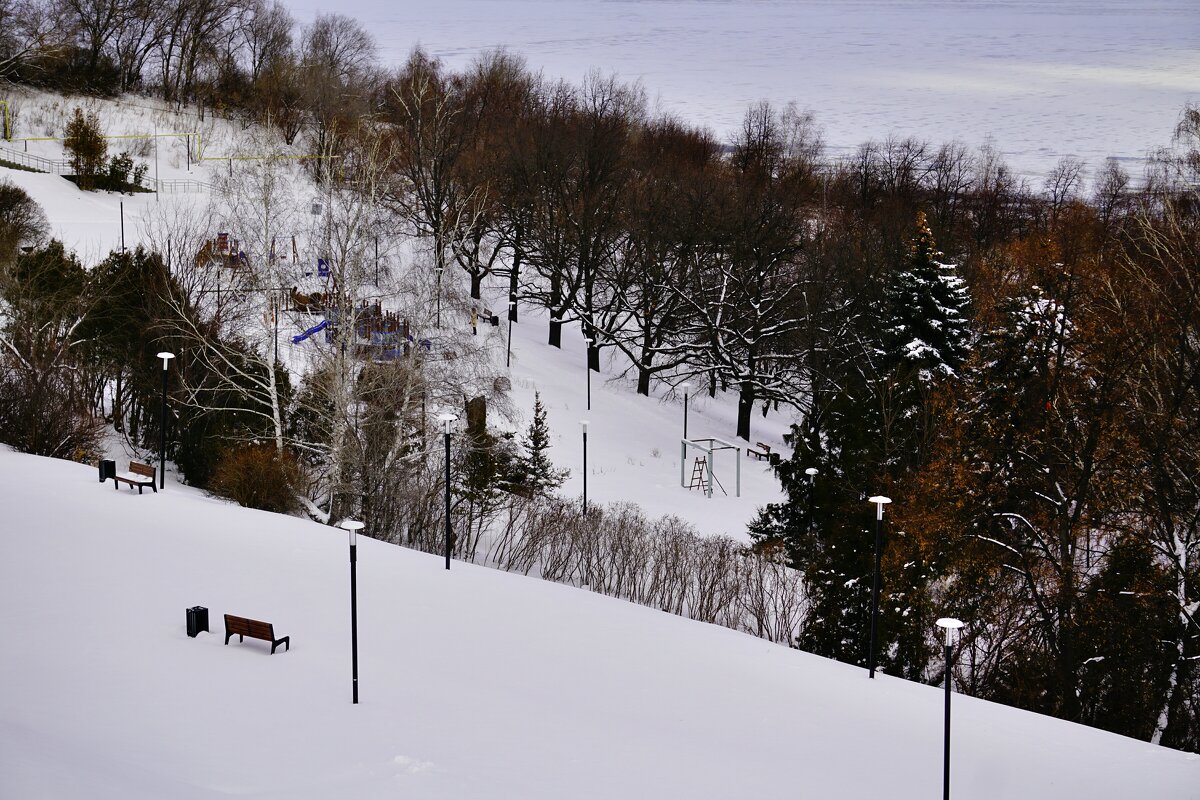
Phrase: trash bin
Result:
[197,620]
[108,469]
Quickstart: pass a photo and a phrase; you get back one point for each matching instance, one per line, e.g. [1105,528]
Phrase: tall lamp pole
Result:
[512,305]
[880,501]
[447,421]
[353,527]
[583,423]
[587,363]
[951,626]
[687,388]
[162,432]
[812,473]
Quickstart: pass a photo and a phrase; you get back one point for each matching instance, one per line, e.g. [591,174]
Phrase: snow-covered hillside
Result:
[473,683]
[633,441]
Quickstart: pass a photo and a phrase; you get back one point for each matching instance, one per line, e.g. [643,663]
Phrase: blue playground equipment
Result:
[320,326]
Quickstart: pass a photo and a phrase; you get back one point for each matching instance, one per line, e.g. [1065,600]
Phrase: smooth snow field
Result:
[1042,78]
[473,683]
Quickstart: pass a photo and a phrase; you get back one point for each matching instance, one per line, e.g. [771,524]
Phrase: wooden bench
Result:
[763,451]
[255,630]
[139,475]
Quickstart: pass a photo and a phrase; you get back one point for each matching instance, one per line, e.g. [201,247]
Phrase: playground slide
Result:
[314,329]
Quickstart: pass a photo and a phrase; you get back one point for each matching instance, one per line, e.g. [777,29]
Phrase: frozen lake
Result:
[1041,78]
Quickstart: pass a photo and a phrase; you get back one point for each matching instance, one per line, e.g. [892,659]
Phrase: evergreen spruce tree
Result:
[534,470]
[864,436]
[928,326]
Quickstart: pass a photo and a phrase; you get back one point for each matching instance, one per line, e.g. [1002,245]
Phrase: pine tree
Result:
[928,327]
[534,470]
[865,435]
[86,147]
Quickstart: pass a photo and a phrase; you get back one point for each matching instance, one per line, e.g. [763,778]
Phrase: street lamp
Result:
[162,433]
[687,387]
[812,473]
[447,421]
[352,527]
[880,501]
[588,369]
[512,306]
[583,423]
[951,626]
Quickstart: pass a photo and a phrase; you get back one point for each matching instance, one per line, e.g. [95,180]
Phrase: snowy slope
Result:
[633,441]
[474,683]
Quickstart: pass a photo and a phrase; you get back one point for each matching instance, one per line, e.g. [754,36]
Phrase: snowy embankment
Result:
[474,683]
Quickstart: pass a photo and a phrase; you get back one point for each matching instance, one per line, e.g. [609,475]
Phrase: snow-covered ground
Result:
[1042,78]
[473,683]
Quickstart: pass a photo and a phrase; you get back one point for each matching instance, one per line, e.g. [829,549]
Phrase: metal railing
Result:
[59,166]
[55,166]
[177,185]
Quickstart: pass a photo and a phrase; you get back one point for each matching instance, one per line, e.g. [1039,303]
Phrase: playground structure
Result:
[703,476]
[221,252]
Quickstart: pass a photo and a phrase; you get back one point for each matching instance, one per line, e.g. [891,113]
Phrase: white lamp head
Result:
[951,626]
[166,358]
[353,526]
[583,423]
[880,501]
[812,472]
[447,421]
[687,387]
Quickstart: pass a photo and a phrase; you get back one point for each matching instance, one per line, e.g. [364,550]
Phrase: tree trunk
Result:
[476,283]
[643,385]
[555,333]
[745,408]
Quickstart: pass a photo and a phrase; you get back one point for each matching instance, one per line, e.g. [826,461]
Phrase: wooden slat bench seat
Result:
[255,630]
[139,475]
[763,451]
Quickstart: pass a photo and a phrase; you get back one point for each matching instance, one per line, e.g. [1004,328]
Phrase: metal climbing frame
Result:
[709,446]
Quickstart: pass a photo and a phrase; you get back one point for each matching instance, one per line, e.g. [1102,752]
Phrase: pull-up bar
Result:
[710,446]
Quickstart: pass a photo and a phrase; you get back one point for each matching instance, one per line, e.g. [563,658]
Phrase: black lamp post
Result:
[583,423]
[880,501]
[812,473]
[951,626]
[352,527]
[447,421]
[588,369]
[512,305]
[687,388]
[162,433]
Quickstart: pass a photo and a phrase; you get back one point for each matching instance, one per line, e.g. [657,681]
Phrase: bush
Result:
[119,168]
[257,476]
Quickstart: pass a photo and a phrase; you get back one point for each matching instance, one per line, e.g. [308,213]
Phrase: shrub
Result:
[257,476]
[119,168]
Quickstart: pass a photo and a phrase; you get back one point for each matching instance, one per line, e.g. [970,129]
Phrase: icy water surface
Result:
[1041,78]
